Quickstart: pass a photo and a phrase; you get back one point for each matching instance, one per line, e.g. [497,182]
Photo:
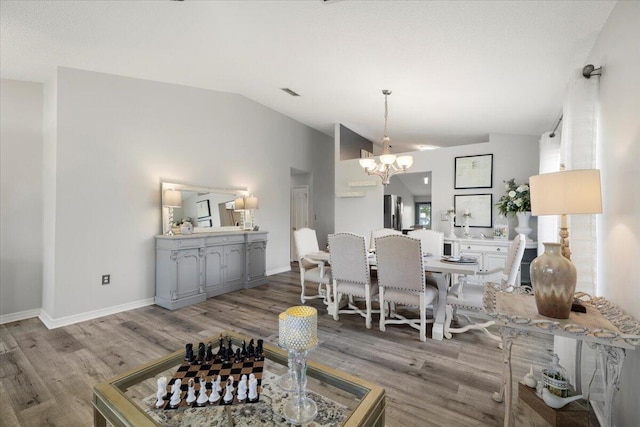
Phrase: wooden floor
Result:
[46,376]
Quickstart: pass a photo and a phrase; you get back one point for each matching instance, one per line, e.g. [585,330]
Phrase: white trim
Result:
[350,194]
[278,270]
[52,323]
[21,315]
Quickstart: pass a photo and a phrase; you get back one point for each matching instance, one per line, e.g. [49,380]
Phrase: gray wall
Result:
[20,198]
[351,143]
[108,143]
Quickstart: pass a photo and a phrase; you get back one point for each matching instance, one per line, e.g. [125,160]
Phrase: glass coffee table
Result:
[342,399]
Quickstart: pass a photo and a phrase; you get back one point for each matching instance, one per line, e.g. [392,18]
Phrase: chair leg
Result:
[423,319]
[368,302]
[302,299]
[336,299]
[383,309]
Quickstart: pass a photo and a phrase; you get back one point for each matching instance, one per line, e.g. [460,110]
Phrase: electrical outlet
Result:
[106,279]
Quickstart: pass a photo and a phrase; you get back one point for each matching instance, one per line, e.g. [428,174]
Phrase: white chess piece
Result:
[215,390]
[228,392]
[162,391]
[253,388]
[191,393]
[202,395]
[175,393]
[242,388]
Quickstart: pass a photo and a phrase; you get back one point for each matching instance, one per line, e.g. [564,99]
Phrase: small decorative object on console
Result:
[556,378]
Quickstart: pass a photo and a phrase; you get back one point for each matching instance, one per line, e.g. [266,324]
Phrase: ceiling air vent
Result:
[289,91]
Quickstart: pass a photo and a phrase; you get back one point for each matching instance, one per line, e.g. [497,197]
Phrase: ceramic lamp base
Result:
[554,282]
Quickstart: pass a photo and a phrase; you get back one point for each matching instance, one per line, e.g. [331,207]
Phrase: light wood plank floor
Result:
[46,376]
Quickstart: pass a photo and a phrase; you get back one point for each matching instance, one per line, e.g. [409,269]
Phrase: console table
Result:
[603,327]
[191,268]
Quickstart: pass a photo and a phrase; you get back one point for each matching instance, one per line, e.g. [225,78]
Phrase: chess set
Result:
[229,377]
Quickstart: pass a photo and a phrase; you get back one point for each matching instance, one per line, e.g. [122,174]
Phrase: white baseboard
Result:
[279,270]
[52,323]
[21,315]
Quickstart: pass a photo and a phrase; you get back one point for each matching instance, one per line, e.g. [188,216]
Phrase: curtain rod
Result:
[553,132]
[587,71]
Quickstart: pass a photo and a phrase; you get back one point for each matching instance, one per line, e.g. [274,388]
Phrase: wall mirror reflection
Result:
[207,208]
[407,201]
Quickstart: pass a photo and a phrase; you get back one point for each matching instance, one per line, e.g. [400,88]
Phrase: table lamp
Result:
[172,199]
[301,335]
[560,193]
[250,204]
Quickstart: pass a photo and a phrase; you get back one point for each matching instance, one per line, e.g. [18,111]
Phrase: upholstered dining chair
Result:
[311,270]
[469,296]
[381,233]
[350,274]
[432,241]
[402,280]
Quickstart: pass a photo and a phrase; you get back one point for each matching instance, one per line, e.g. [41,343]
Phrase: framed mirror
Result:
[408,197]
[207,208]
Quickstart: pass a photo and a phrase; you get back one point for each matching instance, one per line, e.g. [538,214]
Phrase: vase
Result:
[523,224]
[554,282]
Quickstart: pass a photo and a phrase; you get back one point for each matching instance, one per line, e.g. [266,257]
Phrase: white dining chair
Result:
[432,241]
[469,296]
[350,275]
[381,233]
[402,281]
[311,270]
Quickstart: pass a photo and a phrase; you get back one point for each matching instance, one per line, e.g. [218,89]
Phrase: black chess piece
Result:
[226,355]
[209,355]
[243,353]
[230,347]
[201,351]
[259,350]
[251,350]
[188,354]
[238,357]
[220,345]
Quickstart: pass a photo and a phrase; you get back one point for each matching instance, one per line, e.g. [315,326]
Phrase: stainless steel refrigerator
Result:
[393,212]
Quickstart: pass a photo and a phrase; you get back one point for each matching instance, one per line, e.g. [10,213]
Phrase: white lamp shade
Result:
[251,202]
[387,159]
[566,192]
[368,163]
[238,204]
[404,162]
[172,199]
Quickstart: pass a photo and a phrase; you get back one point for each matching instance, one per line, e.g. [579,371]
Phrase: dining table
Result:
[441,269]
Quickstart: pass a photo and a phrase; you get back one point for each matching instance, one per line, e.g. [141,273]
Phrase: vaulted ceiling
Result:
[459,70]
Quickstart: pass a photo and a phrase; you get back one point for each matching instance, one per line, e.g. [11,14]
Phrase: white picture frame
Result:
[202,208]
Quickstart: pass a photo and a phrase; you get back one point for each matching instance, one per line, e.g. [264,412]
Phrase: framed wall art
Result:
[202,208]
[478,205]
[204,223]
[474,171]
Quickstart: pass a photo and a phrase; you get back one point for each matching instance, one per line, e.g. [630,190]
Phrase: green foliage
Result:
[516,199]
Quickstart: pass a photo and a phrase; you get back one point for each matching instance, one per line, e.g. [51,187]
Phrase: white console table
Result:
[602,327]
[191,268]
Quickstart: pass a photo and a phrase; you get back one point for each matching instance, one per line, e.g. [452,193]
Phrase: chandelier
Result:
[389,164]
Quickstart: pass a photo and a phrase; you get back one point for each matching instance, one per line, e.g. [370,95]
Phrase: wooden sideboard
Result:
[192,268]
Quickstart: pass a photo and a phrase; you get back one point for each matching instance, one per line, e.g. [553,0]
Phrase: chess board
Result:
[210,369]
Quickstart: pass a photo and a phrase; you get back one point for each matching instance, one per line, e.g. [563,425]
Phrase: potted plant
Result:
[517,201]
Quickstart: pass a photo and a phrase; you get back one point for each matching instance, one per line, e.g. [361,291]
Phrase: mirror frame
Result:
[167,185]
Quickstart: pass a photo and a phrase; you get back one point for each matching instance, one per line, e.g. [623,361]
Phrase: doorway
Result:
[299,212]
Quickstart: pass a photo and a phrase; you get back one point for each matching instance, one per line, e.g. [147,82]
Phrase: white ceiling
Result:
[459,70]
